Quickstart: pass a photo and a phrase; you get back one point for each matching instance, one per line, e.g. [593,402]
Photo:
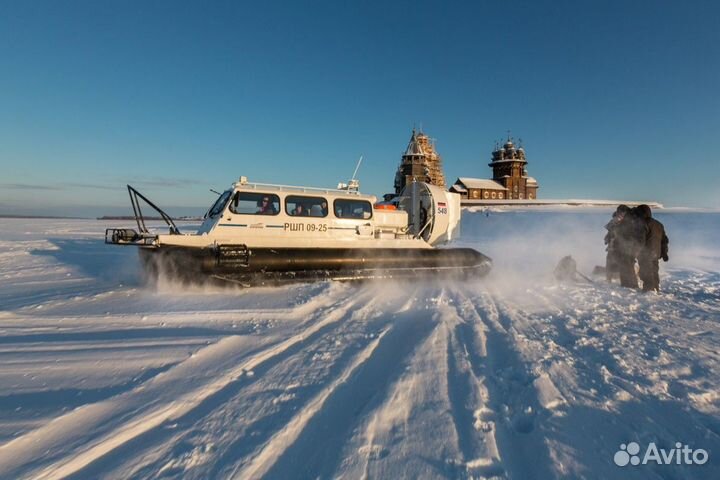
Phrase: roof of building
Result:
[531,180]
[508,160]
[479,183]
[414,147]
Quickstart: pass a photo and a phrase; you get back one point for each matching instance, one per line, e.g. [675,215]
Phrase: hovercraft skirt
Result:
[242,263]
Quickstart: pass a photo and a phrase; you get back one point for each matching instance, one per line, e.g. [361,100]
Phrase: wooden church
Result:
[419,163]
[510,179]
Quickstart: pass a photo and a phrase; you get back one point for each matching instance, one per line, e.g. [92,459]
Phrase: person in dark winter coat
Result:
[629,238]
[612,266]
[655,247]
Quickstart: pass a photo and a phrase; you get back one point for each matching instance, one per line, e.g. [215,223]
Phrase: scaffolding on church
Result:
[420,163]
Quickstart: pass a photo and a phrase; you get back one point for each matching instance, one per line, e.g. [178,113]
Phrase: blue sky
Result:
[612,99]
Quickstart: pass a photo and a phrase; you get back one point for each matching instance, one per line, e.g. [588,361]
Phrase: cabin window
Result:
[219,204]
[255,203]
[299,206]
[358,209]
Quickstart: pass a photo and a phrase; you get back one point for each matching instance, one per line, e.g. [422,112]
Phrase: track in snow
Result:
[103,378]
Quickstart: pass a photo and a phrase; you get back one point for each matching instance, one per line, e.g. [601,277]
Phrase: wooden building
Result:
[420,163]
[510,179]
[479,189]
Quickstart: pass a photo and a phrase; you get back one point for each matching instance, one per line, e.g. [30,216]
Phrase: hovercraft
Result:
[257,234]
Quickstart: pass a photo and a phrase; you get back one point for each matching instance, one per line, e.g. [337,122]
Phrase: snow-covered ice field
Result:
[513,376]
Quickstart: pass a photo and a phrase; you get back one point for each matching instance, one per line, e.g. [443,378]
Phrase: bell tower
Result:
[509,167]
[420,163]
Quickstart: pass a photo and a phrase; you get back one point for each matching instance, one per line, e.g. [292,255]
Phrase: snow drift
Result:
[513,376]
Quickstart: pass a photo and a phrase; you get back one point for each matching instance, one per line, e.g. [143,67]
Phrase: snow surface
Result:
[514,376]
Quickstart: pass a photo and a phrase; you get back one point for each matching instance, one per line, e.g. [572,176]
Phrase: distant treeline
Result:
[40,217]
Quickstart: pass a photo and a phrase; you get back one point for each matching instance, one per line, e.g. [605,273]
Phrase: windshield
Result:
[219,204]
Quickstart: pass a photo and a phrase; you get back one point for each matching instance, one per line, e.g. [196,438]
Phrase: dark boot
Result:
[649,274]
[626,267]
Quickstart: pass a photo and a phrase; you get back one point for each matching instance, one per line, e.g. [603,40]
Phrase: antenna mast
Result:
[357,167]
[353,185]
